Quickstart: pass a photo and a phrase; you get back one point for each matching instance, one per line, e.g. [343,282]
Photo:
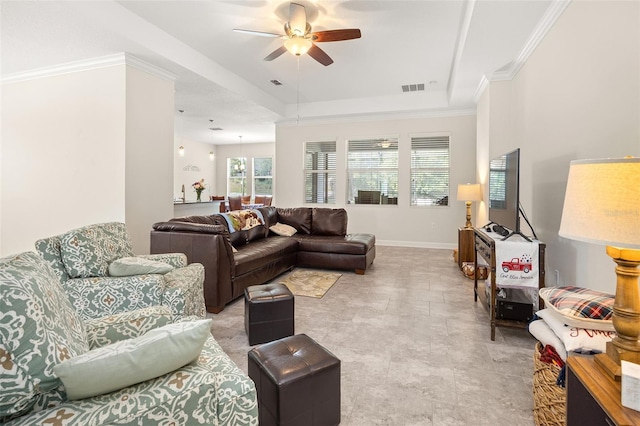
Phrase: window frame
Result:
[255,176]
[328,195]
[388,188]
[430,142]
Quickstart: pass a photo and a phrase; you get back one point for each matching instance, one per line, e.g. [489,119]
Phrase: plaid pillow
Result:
[580,307]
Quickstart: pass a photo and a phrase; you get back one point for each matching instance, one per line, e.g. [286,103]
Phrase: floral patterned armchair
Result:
[81,260]
[40,329]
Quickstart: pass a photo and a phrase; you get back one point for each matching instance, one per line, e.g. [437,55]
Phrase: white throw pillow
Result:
[128,266]
[543,333]
[576,339]
[132,361]
[283,229]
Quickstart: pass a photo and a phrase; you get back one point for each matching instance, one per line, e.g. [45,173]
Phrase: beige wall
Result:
[578,96]
[392,225]
[81,148]
[193,166]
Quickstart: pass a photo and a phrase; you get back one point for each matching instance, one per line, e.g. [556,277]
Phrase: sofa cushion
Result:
[298,217]
[328,221]
[262,252]
[270,215]
[127,362]
[358,244]
[88,251]
[38,329]
[128,266]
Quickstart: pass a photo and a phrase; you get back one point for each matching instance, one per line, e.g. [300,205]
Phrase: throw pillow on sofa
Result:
[282,229]
[38,329]
[127,362]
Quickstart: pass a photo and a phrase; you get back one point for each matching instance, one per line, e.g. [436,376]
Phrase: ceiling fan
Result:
[298,38]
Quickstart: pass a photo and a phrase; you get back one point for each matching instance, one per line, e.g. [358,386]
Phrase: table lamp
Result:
[602,206]
[469,192]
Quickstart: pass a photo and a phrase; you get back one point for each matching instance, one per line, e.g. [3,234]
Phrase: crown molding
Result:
[396,115]
[89,64]
[556,8]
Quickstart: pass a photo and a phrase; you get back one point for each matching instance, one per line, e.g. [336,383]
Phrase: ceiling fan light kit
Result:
[298,38]
[298,45]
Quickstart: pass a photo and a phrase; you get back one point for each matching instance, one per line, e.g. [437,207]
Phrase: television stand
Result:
[512,233]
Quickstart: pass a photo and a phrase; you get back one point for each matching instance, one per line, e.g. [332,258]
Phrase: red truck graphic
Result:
[516,264]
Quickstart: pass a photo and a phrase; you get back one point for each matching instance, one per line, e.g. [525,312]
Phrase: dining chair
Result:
[259,199]
[235,202]
[267,200]
[246,199]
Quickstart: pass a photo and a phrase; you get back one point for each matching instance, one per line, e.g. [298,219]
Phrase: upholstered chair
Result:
[259,199]
[235,202]
[246,199]
[101,275]
[133,367]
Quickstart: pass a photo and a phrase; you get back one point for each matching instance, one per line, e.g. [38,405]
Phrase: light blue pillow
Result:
[132,361]
[128,266]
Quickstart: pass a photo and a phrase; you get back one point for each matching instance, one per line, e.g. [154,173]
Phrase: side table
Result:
[593,398]
[465,246]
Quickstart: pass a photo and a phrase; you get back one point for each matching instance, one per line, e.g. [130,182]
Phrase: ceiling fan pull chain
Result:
[298,91]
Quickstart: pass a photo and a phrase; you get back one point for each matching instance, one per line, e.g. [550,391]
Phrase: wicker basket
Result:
[549,399]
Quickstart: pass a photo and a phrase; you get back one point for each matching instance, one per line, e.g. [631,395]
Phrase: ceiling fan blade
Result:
[279,51]
[258,33]
[336,35]
[297,19]
[319,55]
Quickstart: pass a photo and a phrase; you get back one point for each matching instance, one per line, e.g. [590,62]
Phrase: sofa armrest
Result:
[177,260]
[184,291]
[127,325]
[100,296]
[208,245]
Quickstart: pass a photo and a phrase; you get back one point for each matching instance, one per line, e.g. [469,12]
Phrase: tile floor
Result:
[415,348]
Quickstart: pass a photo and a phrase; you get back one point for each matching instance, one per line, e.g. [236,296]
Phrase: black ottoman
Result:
[268,312]
[298,382]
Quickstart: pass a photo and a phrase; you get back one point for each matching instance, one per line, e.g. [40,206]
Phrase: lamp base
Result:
[626,313]
[468,224]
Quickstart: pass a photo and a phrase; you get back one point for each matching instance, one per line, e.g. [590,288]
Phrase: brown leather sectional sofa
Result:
[321,241]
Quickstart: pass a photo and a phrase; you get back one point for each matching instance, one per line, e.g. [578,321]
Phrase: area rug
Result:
[310,282]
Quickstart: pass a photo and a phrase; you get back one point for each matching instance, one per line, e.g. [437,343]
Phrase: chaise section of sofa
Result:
[235,259]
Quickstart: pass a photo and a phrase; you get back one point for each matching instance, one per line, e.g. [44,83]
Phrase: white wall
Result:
[247,150]
[195,165]
[148,155]
[578,96]
[392,225]
[81,148]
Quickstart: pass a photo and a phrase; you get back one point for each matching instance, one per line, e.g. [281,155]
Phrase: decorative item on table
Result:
[199,187]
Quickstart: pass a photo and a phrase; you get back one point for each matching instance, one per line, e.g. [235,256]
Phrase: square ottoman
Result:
[268,312]
[298,382]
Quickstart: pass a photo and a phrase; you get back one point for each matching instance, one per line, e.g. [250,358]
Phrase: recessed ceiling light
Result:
[275,82]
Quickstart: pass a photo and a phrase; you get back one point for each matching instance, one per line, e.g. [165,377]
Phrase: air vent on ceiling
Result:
[215,128]
[412,87]
[275,82]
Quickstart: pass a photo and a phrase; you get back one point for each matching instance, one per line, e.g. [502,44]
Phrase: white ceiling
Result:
[448,45]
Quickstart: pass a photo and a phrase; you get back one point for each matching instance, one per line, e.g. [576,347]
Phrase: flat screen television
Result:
[504,190]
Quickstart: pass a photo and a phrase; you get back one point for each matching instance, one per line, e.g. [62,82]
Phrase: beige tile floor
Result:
[415,348]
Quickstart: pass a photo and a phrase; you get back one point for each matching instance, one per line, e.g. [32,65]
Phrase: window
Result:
[320,172]
[236,176]
[262,176]
[430,171]
[372,171]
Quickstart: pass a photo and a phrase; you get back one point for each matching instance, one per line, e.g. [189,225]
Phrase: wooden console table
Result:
[593,398]
[485,247]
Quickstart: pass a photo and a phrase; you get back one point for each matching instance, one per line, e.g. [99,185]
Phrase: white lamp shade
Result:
[602,202]
[469,192]
[297,45]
